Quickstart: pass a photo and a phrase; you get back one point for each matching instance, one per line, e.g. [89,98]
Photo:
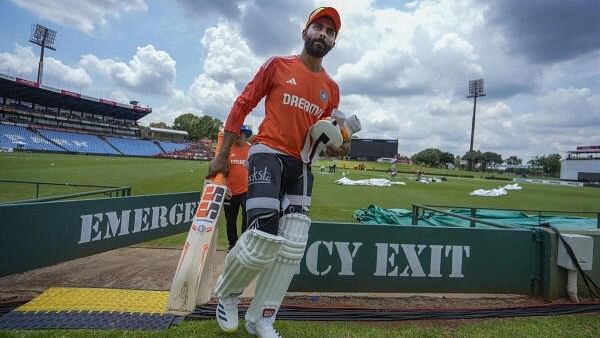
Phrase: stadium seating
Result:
[192,151]
[173,146]
[134,147]
[21,137]
[41,139]
[79,143]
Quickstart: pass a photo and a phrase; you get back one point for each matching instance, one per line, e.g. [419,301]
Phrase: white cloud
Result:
[24,63]
[167,114]
[227,65]
[212,97]
[150,71]
[570,107]
[403,69]
[84,15]
[226,56]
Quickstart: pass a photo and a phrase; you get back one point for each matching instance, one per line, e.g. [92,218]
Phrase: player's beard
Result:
[316,50]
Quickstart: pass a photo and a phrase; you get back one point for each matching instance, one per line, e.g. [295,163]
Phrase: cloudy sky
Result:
[403,66]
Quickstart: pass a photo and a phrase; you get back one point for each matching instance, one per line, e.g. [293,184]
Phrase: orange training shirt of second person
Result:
[237,180]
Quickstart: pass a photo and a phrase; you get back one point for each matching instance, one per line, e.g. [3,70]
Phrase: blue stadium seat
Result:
[170,147]
[79,143]
[16,136]
[134,147]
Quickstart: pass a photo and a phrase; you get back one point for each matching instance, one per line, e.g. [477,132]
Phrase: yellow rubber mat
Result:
[91,299]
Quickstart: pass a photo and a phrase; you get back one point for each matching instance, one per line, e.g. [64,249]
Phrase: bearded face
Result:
[317,47]
[319,37]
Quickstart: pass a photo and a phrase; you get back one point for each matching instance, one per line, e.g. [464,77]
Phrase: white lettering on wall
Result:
[389,255]
[346,257]
[312,257]
[114,223]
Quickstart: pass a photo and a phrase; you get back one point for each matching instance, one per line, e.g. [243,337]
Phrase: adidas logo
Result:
[291,81]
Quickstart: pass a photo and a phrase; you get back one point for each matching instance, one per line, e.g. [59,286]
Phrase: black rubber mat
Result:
[16,320]
[358,314]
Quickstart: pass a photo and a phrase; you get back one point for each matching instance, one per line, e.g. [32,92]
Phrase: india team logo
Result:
[324,95]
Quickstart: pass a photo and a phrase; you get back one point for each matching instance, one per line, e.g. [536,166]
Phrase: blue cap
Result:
[246,129]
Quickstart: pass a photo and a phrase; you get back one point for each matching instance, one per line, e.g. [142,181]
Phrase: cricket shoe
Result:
[227,313]
[263,328]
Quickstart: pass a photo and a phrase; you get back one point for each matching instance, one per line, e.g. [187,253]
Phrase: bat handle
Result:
[219,178]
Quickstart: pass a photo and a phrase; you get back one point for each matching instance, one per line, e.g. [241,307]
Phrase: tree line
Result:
[434,157]
[197,127]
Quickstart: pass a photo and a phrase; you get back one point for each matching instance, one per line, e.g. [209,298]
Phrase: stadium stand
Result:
[79,143]
[18,137]
[173,146]
[36,117]
[134,147]
[193,151]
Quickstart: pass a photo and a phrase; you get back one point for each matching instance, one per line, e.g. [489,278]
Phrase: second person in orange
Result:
[237,182]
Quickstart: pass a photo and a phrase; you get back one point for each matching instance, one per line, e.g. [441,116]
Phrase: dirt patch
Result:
[126,268]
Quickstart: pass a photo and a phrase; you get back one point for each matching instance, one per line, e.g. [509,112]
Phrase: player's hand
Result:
[338,151]
[218,165]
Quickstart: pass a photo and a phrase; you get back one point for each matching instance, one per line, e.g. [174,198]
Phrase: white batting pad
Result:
[319,136]
[251,254]
[274,281]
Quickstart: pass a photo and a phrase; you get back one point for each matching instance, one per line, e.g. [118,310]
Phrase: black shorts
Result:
[277,184]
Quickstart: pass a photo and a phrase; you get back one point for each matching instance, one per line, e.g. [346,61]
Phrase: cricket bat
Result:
[192,277]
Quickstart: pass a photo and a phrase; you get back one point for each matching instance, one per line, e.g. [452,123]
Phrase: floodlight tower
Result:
[475,90]
[43,37]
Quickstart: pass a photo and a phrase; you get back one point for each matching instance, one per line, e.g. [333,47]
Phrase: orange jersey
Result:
[237,180]
[296,98]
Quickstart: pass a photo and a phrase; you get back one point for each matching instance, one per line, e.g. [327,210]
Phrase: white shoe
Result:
[263,328]
[227,313]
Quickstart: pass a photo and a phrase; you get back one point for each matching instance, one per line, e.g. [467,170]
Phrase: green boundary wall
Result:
[340,257]
[391,258]
[40,234]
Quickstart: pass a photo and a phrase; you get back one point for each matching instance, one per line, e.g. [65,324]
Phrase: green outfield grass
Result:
[330,202]
[559,326]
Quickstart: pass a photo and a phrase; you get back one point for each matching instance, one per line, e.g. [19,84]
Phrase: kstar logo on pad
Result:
[260,176]
[324,95]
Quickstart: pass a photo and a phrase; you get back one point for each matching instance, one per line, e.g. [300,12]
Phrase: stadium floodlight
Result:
[475,90]
[43,37]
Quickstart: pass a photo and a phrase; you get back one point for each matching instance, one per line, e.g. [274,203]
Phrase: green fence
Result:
[381,258]
[339,257]
[100,190]
[41,234]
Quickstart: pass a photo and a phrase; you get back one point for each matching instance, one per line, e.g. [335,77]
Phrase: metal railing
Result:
[473,216]
[538,212]
[106,190]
